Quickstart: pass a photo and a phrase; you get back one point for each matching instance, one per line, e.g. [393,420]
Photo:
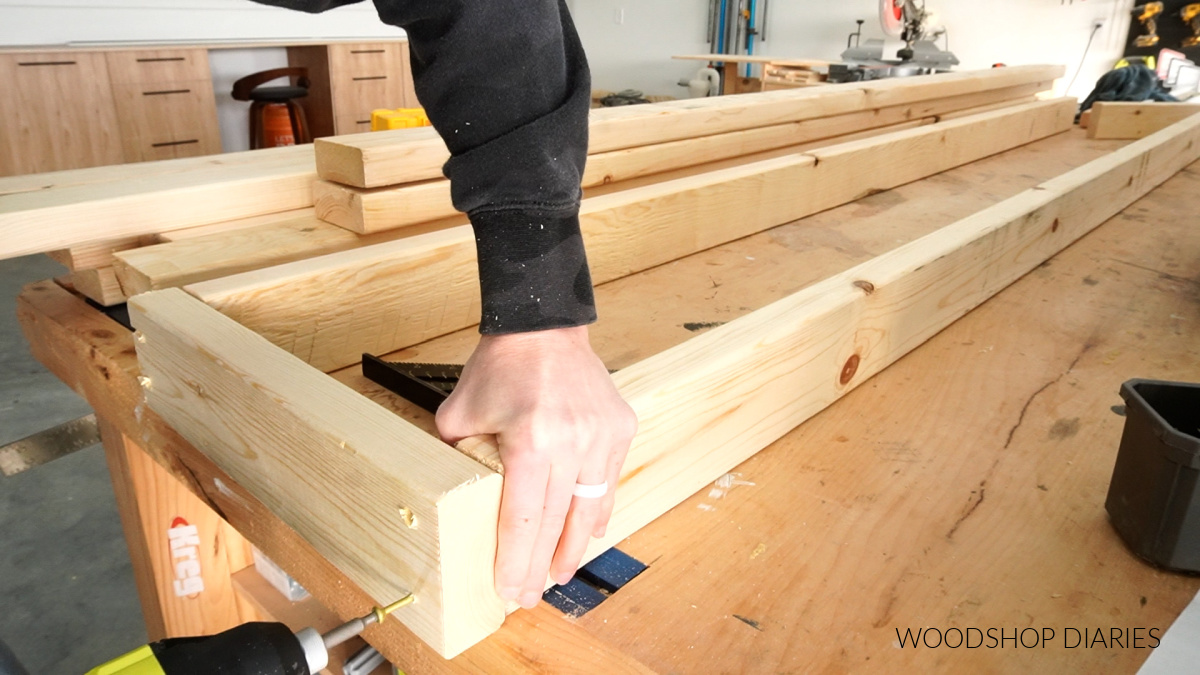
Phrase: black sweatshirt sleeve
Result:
[506,85]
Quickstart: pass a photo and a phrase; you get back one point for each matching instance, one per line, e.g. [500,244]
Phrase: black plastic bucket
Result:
[1154,497]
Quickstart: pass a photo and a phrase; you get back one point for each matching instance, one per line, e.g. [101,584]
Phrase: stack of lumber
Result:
[239,320]
[373,182]
[82,217]
[133,228]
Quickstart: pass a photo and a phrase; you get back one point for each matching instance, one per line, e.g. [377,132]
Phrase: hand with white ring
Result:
[563,432]
[591,491]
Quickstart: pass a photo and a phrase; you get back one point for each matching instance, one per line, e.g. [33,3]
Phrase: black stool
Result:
[274,110]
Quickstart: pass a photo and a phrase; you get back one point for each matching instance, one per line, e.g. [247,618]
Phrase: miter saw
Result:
[910,21]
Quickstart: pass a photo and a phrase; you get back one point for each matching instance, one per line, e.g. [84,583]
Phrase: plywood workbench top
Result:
[962,487]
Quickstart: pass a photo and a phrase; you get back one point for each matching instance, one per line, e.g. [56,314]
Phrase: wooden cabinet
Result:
[350,80]
[69,108]
[165,104]
[56,112]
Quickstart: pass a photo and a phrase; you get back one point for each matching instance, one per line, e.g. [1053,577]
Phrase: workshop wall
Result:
[629,44]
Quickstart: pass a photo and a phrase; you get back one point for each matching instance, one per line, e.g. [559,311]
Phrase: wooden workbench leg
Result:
[183,553]
[729,78]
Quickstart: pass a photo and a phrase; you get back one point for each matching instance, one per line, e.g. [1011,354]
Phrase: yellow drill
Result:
[1191,16]
[259,648]
[1148,15]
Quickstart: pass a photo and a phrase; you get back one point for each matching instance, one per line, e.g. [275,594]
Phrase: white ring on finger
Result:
[591,491]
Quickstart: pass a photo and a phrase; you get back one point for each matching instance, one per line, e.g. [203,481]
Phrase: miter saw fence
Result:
[909,21]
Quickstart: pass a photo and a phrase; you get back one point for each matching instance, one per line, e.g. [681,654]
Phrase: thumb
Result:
[454,420]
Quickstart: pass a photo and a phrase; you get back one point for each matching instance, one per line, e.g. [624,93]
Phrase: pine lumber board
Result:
[966,483]
[331,309]
[275,239]
[656,309]
[97,254]
[1129,121]
[225,226]
[47,220]
[366,210]
[392,157]
[207,254]
[57,180]
[336,468]
[100,285]
[271,240]
[96,357]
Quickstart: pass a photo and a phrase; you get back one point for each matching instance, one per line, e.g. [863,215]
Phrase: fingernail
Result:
[563,578]
[599,532]
[530,600]
[508,593]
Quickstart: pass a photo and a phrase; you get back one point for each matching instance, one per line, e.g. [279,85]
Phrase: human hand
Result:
[559,420]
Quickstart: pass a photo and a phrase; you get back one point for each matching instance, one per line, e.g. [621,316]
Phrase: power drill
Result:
[1148,15]
[259,648]
[1191,16]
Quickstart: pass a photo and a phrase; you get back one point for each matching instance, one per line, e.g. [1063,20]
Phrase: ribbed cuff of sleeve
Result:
[533,271]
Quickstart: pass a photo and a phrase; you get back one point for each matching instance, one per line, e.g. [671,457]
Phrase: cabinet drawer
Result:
[365,61]
[157,66]
[165,119]
[353,101]
[352,124]
[151,152]
[56,112]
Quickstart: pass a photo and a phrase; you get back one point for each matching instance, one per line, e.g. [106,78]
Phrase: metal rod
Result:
[762,22]
[49,445]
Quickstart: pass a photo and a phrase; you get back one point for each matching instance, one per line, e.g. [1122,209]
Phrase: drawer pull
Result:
[372,77]
[45,63]
[170,143]
[159,59]
[366,51]
[165,92]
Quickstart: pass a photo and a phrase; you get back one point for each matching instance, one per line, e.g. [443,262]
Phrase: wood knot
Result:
[409,518]
[102,334]
[850,369]
[866,286]
[1054,226]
